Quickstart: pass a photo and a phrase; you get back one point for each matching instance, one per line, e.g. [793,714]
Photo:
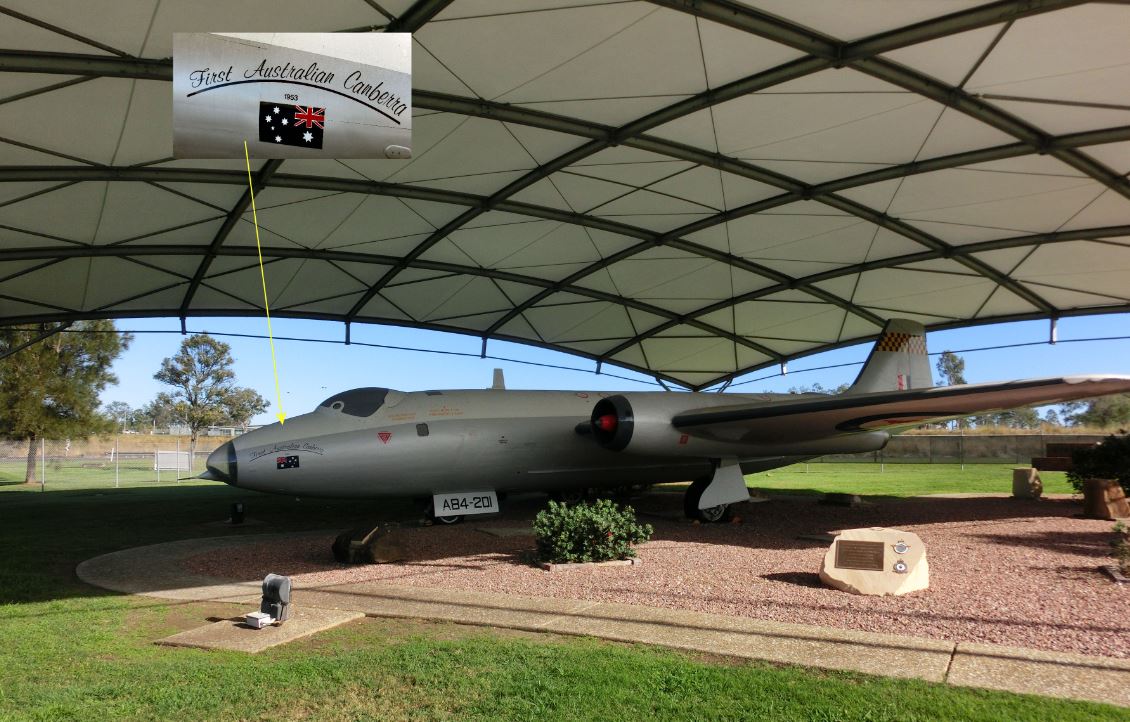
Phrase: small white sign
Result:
[465,502]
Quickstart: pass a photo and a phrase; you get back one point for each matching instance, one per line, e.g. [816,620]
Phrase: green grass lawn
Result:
[898,479]
[94,474]
[69,651]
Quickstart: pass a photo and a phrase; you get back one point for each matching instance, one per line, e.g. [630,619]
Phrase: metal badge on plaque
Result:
[864,555]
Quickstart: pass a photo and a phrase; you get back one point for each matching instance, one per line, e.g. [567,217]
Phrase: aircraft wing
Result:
[809,419]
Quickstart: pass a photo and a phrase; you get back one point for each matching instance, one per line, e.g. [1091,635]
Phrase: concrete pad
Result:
[155,570]
[231,634]
[1053,674]
[883,654]
[480,608]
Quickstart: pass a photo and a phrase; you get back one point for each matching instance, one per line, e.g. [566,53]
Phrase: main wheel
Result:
[711,515]
[449,519]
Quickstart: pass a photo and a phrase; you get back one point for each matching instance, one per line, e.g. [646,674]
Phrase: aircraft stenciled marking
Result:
[286,462]
[305,446]
[445,411]
[402,417]
[384,436]
[684,439]
[294,82]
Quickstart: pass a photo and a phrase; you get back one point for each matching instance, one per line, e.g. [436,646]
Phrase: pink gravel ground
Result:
[1002,571]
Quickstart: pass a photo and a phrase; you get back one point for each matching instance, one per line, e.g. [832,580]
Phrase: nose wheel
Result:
[431,518]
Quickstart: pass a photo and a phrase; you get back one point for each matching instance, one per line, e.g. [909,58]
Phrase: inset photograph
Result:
[292,95]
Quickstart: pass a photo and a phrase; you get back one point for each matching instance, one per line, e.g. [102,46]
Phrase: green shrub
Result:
[1108,460]
[594,532]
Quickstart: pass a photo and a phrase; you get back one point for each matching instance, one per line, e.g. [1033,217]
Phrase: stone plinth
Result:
[1104,499]
[1026,483]
[382,544]
[877,562]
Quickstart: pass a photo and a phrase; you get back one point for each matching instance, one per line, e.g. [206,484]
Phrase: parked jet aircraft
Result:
[461,448]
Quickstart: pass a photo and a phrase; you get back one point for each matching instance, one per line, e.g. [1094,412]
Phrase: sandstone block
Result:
[380,545]
[1104,499]
[1026,483]
[876,561]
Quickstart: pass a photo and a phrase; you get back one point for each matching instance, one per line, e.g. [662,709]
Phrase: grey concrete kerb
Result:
[157,571]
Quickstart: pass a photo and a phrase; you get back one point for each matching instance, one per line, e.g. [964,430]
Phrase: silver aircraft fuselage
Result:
[423,443]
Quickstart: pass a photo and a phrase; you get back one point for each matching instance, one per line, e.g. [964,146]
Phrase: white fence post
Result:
[178,459]
[117,473]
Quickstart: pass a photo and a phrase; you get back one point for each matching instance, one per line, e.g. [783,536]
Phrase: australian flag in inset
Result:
[286,462]
[298,125]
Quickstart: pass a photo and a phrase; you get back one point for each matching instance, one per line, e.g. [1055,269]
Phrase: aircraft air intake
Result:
[613,422]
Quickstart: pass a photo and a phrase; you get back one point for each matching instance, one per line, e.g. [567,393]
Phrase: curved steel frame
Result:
[821,52]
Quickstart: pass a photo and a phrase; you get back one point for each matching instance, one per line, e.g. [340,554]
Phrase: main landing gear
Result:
[709,498]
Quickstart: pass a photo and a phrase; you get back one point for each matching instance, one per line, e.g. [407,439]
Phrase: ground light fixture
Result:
[275,607]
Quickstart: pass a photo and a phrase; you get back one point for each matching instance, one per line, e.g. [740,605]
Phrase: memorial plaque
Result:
[857,562]
[866,555]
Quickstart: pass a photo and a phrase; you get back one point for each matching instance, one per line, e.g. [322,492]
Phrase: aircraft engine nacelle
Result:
[641,424]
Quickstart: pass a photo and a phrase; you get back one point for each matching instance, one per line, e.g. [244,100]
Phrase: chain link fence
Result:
[136,460]
[99,463]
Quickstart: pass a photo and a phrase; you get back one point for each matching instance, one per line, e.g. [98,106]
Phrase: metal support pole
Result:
[961,448]
[117,465]
[1053,331]
[178,460]
[43,456]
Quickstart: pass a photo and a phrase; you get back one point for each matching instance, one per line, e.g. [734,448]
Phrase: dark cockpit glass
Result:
[357,402]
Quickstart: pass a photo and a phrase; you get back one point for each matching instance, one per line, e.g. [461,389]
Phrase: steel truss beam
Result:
[415,16]
[225,230]
[134,250]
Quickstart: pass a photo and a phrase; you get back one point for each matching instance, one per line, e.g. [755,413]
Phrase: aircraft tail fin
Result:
[897,362]
[499,383]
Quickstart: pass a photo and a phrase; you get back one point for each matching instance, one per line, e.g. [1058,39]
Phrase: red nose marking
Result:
[606,422]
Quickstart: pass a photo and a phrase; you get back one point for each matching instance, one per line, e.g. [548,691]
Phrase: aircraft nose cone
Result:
[222,464]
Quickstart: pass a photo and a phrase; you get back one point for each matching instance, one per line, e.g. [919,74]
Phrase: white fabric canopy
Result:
[692,190]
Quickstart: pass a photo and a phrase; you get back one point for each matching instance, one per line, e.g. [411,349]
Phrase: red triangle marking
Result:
[384,436]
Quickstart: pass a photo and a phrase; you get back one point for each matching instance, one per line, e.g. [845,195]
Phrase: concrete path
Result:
[156,571]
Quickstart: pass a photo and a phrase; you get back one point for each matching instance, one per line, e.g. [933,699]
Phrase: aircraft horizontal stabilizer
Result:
[810,419]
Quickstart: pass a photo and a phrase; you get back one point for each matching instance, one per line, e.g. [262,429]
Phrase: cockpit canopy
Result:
[357,402]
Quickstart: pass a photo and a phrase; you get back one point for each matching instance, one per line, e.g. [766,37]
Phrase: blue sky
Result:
[310,372]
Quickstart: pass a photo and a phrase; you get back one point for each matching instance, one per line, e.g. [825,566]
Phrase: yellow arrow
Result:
[263,276]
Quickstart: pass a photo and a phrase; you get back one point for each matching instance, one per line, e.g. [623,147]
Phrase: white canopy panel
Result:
[693,190]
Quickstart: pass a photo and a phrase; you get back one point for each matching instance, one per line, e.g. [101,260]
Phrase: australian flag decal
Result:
[287,462]
[298,125]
